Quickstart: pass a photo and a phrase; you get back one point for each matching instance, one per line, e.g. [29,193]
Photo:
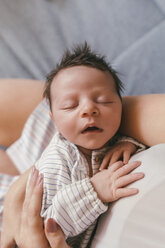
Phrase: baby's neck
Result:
[88,155]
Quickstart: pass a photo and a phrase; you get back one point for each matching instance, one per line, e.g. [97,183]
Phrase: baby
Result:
[80,166]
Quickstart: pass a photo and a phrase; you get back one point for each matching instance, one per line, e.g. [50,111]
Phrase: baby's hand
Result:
[121,150]
[110,183]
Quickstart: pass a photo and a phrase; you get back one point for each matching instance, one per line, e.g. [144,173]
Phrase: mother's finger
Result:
[33,199]
[55,235]
[31,185]
[36,198]
[31,231]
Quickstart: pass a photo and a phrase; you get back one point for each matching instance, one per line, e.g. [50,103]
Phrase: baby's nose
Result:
[89,110]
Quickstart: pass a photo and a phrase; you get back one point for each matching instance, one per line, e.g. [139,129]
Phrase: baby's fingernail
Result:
[135,191]
[141,175]
[51,226]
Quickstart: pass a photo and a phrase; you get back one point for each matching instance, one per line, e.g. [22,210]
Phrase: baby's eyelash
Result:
[69,107]
[105,102]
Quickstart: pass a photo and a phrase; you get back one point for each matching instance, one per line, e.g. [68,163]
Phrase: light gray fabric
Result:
[131,33]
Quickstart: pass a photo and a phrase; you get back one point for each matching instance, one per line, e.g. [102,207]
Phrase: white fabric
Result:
[138,221]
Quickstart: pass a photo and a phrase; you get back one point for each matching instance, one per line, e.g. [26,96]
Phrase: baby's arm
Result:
[78,205]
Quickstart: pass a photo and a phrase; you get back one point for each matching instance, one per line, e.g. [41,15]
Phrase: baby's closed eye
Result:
[69,105]
[104,99]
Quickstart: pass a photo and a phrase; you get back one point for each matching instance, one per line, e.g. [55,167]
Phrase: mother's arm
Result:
[144,118]
[18,98]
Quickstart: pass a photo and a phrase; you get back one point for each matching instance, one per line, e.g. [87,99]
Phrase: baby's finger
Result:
[115,157]
[126,157]
[115,166]
[106,160]
[128,179]
[126,169]
[125,192]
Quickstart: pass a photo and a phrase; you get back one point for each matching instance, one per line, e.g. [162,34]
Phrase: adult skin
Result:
[18,98]
[28,220]
[144,118]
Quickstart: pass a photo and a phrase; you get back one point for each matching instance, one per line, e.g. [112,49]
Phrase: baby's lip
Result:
[91,128]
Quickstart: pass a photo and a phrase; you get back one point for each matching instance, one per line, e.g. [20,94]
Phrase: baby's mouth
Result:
[92,129]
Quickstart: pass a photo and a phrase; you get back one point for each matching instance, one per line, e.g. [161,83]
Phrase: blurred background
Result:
[130,33]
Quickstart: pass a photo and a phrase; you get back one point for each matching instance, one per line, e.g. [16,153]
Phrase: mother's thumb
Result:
[55,235]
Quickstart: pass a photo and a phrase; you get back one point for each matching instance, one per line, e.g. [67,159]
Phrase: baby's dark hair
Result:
[82,55]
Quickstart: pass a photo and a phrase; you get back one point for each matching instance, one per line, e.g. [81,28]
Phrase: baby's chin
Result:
[92,147]
[99,145]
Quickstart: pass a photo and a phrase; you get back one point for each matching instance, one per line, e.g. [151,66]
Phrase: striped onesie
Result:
[68,195]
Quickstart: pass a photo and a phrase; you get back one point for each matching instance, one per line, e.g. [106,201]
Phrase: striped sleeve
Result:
[76,207]
[36,135]
[139,146]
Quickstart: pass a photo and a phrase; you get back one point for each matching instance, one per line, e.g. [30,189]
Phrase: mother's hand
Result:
[28,231]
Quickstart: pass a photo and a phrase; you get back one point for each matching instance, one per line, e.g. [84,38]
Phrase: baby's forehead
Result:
[74,79]
[75,72]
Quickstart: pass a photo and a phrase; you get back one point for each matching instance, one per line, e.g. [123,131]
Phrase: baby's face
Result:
[86,108]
